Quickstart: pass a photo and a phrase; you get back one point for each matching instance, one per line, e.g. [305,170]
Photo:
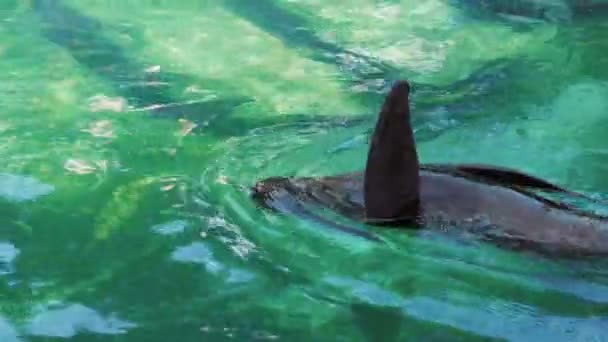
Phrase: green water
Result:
[131,130]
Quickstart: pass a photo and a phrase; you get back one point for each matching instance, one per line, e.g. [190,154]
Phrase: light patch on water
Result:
[17,188]
[240,245]
[7,332]
[367,292]
[8,252]
[352,143]
[4,126]
[186,127]
[102,102]
[558,133]
[170,228]
[498,319]
[83,167]
[578,108]
[387,12]
[100,129]
[153,69]
[198,253]
[74,319]
[293,72]
[416,54]
[350,242]
[508,321]
[266,52]
[579,288]
[239,276]
[64,90]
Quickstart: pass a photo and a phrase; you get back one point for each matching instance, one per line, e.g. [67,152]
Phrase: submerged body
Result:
[501,215]
[563,11]
[491,203]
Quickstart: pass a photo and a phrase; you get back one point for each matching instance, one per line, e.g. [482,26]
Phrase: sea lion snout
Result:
[262,188]
[262,192]
[269,184]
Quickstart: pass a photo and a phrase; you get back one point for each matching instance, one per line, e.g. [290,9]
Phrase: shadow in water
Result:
[296,31]
[558,11]
[83,38]
[439,108]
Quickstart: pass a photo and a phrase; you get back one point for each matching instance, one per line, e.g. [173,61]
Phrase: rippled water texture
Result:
[130,132]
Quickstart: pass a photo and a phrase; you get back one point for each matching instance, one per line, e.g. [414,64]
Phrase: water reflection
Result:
[494,318]
[7,332]
[256,270]
[510,321]
[8,252]
[198,253]
[74,319]
[517,11]
[18,188]
[586,290]
[201,253]
[170,228]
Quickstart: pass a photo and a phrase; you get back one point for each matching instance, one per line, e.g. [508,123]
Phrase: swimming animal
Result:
[494,204]
[558,11]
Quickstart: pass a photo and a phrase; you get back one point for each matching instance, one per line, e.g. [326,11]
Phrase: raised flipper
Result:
[503,176]
[392,181]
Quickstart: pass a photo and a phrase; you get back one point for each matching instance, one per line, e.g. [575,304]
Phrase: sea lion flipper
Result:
[505,176]
[510,176]
[392,182]
[501,175]
[513,179]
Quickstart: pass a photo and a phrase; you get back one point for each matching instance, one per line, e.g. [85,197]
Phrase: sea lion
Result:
[556,11]
[494,204]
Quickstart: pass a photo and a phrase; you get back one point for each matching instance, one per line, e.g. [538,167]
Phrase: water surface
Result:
[131,130]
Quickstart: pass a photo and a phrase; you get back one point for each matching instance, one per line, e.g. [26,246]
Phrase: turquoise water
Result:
[131,130]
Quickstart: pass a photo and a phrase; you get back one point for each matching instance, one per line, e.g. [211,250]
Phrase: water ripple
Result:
[496,321]
[74,319]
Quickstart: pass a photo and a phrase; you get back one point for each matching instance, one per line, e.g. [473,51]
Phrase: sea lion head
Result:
[266,190]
